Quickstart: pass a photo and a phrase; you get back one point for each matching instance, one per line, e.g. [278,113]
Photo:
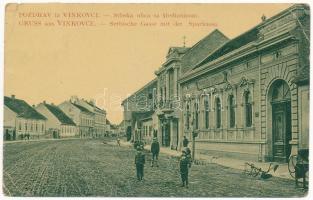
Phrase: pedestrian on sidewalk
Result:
[184,165]
[155,150]
[140,162]
[185,142]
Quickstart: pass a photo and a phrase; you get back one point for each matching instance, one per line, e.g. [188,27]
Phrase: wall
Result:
[52,121]
[9,117]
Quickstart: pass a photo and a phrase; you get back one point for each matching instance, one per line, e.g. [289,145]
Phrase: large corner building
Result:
[246,97]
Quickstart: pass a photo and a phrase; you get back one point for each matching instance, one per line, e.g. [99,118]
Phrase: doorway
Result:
[281,116]
[166,135]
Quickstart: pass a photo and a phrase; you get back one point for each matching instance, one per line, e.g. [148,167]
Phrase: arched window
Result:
[231,111]
[248,109]
[218,112]
[206,111]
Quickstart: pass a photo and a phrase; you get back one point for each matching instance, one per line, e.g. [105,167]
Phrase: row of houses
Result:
[72,118]
[246,97]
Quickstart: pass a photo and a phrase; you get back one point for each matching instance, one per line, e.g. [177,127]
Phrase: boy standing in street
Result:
[184,164]
[139,162]
[155,149]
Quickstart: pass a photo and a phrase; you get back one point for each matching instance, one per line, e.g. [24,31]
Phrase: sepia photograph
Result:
[156,100]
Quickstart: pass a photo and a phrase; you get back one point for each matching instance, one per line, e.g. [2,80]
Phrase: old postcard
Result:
[156,100]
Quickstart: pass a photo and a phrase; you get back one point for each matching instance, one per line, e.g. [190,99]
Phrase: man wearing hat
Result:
[155,149]
[184,164]
[139,162]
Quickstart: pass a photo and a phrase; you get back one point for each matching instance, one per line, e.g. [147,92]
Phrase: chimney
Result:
[74,99]
[263,18]
[44,102]
[13,96]
[92,102]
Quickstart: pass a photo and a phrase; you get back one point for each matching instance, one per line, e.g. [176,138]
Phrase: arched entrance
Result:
[281,120]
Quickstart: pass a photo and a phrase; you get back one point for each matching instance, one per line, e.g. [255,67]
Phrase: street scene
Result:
[156,100]
[77,168]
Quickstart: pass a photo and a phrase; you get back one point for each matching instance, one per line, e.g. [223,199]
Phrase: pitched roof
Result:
[248,36]
[202,49]
[99,109]
[81,108]
[22,109]
[60,115]
[231,45]
[152,83]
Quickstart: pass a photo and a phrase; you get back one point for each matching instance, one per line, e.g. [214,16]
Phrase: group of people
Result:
[184,161]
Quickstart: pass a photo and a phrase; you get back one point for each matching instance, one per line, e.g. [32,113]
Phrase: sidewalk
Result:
[282,170]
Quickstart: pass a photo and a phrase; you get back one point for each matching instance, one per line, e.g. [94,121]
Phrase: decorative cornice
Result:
[235,55]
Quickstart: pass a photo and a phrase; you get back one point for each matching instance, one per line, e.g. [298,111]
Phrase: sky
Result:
[55,51]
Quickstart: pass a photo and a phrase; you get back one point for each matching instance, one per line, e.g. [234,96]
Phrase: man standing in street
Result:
[155,149]
[139,162]
[185,142]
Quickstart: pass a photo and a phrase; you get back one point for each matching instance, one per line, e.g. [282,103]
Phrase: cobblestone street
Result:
[92,168]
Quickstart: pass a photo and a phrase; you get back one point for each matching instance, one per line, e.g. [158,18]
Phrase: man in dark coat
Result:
[155,149]
[184,164]
[140,162]
[185,142]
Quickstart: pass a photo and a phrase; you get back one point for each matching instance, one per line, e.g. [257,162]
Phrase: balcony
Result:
[168,106]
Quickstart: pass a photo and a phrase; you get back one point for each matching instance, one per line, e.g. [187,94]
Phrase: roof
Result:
[22,109]
[245,39]
[81,108]
[99,109]
[154,81]
[231,45]
[60,115]
[202,49]
[248,36]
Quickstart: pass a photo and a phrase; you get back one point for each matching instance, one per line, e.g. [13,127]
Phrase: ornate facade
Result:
[245,97]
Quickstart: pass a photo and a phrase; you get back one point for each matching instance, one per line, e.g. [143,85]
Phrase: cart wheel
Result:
[291,165]
[255,172]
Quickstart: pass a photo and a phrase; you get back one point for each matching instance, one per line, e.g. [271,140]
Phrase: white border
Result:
[2,14]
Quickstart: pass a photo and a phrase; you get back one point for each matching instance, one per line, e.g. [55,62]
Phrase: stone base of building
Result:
[241,151]
[234,155]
